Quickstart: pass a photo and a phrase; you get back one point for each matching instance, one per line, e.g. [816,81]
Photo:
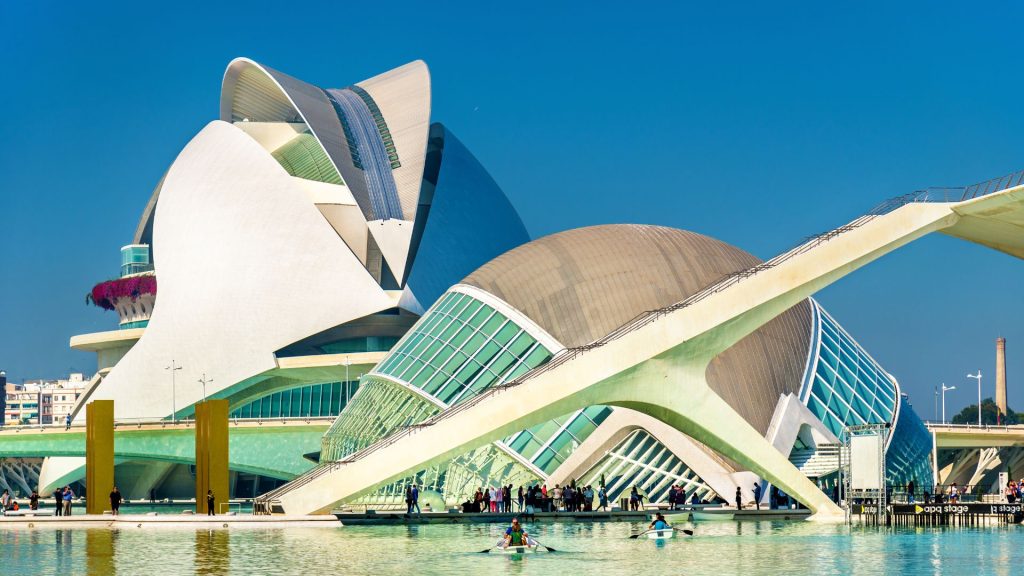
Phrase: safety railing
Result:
[164,423]
[645,318]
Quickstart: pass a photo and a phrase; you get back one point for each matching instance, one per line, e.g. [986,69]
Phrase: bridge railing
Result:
[163,422]
[981,427]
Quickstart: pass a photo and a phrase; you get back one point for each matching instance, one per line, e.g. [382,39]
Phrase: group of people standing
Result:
[577,499]
[571,498]
[677,497]
[495,500]
[62,498]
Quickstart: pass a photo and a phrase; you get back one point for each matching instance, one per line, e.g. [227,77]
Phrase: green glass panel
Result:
[435,383]
[473,345]
[461,336]
[471,308]
[481,317]
[493,324]
[507,332]
[537,356]
[521,344]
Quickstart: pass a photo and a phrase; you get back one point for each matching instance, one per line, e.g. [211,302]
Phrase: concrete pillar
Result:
[99,455]
[1001,374]
[212,454]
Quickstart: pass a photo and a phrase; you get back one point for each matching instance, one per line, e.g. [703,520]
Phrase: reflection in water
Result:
[213,554]
[99,550]
[585,549]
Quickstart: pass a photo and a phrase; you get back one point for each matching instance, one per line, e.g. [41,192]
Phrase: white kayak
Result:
[531,547]
[660,534]
[517,549]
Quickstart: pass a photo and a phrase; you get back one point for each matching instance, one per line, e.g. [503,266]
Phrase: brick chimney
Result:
[1001,374]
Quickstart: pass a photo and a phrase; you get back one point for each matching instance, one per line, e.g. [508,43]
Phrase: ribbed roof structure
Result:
[581,284]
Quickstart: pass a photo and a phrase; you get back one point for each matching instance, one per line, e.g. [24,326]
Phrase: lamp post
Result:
[978,378]
[204,382]
[944,390]
[174,406]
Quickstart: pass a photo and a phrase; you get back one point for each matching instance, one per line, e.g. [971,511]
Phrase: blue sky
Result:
[755,124]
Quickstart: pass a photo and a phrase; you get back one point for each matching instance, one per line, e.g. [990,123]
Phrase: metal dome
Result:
[581,284]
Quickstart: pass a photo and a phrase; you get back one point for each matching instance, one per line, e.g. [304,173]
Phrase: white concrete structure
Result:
[646,364]
[294,239]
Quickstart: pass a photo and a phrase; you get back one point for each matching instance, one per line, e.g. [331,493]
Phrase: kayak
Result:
[660,534]
[531,547]
[517,549]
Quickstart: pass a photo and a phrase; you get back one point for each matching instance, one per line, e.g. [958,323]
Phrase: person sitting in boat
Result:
[659,523]
[515,535]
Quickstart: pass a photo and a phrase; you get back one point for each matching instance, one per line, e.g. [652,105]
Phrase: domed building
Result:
[798,380]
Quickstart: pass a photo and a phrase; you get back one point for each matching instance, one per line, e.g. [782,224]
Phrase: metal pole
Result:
[346,381]
[978,378]
[204,382]
[174,403]
[944,390]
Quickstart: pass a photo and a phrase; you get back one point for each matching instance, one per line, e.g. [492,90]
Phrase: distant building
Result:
[41,401]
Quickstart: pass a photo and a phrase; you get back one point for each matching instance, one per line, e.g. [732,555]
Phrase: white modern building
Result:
[294,240]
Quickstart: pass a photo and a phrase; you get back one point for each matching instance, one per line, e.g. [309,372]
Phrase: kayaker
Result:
[515,535]
[659,523]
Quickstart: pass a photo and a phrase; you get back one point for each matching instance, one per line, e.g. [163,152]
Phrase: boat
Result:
[529,549]
[709,516]
[662,534]
[677,518]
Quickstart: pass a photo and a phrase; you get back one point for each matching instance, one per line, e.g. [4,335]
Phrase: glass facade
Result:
[365,131]
[460,347]
[910,450]
[304,157]
[379,408]
[641,460]
[547,445]
[845,386]
[310,401]
[135,259]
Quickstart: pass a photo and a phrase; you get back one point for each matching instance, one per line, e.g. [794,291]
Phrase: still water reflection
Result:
[718,549]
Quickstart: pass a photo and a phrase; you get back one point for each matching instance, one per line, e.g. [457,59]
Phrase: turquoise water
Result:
[585,549]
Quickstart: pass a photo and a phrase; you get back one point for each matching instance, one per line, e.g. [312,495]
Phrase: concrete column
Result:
[99,455]
[1001,375]
[212,454]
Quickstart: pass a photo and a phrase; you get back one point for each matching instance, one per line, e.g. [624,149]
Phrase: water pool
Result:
[585,549]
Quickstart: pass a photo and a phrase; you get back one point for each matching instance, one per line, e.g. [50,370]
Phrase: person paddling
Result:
[515,535]
[659,523]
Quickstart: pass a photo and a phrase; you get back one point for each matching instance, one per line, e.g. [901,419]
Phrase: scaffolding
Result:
[862,469]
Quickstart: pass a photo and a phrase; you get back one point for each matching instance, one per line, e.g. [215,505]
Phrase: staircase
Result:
[816,462]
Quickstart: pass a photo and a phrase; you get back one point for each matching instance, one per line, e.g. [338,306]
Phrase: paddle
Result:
[496,544]
[635,536]
[548,548]
[532,541]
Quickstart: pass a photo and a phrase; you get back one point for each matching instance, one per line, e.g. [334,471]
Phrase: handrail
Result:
[186,422]
[650,316]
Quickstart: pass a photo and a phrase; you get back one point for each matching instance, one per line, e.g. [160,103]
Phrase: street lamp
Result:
[174,407]
[944,390]
[204,382]
[978,378]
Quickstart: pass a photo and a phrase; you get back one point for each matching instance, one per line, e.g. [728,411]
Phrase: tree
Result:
[989,410]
